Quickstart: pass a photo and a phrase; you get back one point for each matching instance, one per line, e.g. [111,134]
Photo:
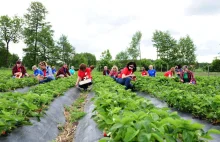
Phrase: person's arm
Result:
[125,76]
[13,71]
[78,80]
[68,72]
[25,72]
[58,73]
[50,72]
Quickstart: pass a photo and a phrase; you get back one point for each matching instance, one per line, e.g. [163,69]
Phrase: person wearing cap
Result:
[186,76]
[47,72]
[38,73]
[19,71]
[63,72]
[72,71]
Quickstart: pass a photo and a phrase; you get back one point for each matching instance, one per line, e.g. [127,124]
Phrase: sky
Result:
[96,25]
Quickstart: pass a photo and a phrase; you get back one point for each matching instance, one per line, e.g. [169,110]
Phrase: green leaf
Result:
[105,139]
[144,137]
[116,126]
[157,137]
[213,131]
[130,134]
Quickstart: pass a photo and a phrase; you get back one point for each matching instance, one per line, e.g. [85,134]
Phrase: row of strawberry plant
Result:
[12,83]
[16,108]
[202,100]
[124,116]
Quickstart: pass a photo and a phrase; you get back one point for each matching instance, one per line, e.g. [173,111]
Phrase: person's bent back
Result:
[63,72]
[84,79]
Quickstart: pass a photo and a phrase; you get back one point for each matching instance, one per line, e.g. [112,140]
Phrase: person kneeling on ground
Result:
[19,71]
[127,75]
[72,71]
[47,72]
[63,72]
[144,72]
[38,73]
[114,72]
[170,73]
[84,80]
[106,71]
[186,76]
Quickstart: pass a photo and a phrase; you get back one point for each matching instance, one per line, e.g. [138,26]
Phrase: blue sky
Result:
[96,25]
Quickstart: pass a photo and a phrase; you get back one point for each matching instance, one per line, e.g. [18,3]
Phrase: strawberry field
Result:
[121,115]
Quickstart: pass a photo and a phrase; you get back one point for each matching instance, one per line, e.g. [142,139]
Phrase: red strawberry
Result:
[105,134]
[3,132]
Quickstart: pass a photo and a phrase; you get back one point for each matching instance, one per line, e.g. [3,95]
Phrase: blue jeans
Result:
[114,78]
[125,81]
[46,80]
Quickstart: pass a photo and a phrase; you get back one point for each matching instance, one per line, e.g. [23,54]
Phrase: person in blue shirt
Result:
[54,71]
[37,73]
[72,71]
[151,71]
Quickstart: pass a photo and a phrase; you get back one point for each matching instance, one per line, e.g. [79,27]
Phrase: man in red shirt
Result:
[84,80]
[19,70]
[127,75]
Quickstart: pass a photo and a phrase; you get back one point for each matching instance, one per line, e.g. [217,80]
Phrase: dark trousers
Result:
[125,81]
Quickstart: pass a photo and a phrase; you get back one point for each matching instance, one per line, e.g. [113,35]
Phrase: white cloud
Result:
[96,25]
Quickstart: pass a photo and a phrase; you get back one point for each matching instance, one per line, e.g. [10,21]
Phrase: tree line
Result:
[37,34]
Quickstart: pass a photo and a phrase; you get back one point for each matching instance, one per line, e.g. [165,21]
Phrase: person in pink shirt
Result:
[114,72]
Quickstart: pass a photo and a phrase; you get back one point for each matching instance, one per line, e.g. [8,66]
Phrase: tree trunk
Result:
[35,44]
[6,58]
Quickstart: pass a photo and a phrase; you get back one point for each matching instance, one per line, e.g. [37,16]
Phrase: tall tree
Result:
[66,49]
[106,55]
[10,31]
[79,59]
[134,48]
[122,56]
[186,51]
[34,23]
[166,46]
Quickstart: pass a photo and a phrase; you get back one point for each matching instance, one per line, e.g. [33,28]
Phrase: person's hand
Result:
[76,85]
[181,80]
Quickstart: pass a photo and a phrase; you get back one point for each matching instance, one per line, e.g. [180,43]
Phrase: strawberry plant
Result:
[124,116]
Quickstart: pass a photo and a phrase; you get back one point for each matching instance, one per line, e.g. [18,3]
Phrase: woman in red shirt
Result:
[170,73]
[84,80]
[19,70]
[127,75]
[144,72]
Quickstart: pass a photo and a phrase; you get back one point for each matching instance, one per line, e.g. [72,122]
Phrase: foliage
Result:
[134,48]
[215,66]
[121,56]
[91,59]
[35,25]
[10,31]
[12,58]
[78,59]
[105,60]
[126,117]
[186,51]
[166,46]
[202,100]
[66,50]
[20,107]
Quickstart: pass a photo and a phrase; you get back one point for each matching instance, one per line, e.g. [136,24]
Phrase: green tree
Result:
[215,66]
[121,56]
[10,31]
[91,59]
[79,59]
[186,51]
[166,46]
[106,55]
[134,48]
[34,23]
[66,49]
[12,58]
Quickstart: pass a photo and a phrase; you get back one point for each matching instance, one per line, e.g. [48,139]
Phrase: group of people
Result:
[185,75]
[125,75]
[44,74]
